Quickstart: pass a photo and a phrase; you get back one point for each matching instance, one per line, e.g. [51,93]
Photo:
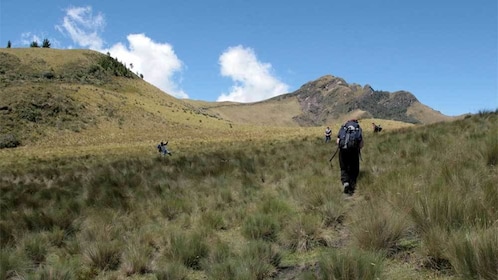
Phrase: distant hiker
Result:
[162,148]
[328,133]
[376,128]
[350,143]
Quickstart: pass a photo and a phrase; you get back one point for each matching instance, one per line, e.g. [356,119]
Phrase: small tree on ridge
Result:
[46,43]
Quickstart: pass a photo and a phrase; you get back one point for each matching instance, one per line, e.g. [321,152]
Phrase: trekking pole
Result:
[334,153]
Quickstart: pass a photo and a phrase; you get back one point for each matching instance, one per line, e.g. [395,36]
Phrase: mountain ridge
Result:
[331,99]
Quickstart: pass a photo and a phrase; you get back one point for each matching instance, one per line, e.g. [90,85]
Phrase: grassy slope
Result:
[269,113]
[117,111]
[96,114]
[425,209]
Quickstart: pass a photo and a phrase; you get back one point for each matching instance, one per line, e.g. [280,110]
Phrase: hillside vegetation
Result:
[60,98]
[426,208]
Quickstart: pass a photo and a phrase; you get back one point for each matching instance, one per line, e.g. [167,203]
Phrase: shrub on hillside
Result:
[9,141]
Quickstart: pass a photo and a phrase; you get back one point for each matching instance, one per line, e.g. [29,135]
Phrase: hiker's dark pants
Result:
[349,160]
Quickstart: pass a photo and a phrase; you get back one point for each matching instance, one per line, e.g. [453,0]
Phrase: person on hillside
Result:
[376,128]
[350,142]
[328,134]
[163,149]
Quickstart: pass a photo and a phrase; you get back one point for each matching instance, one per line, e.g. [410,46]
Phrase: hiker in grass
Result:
[350,143]
[376,128]
[328,133]
[162,148]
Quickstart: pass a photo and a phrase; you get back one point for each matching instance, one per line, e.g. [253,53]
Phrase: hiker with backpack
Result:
[162,148]
[350,143]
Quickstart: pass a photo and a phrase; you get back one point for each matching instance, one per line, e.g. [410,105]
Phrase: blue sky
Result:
[444,52]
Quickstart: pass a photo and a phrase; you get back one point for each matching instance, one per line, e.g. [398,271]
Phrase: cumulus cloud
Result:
[157,62]
[253,80]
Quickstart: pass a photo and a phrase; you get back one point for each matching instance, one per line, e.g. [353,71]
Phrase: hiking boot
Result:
[346,187]
[351,189]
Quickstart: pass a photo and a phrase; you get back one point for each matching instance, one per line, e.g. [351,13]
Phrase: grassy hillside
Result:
[262,209]
[58,99]
[79,97]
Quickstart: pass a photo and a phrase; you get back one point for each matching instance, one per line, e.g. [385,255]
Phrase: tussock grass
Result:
[379,228]
[256,209]
[189,248]
[172,271]
[103,255]
[261,226]
[474,255]
[353,264]
[137,258]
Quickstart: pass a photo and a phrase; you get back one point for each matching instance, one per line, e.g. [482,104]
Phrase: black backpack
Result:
[350,135]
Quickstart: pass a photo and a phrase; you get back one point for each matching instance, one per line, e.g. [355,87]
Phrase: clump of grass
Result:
[350,264]
[137,259]
[35,248]
[214,220]
[220,263]
[378,227]
[9,141]
[188,249]
[475,255]
[447,210]
[275,206]
[433,246]
[303,233]
[261,226]
[257,260]
[260,260]
[490,150]
[7,232]
[333,212]
[56,237]
[172,271]
[47,272]
[103,255]
[12,263]
[173,205]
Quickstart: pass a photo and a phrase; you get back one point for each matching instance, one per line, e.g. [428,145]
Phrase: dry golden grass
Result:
[269,113]
[266,208]
[426,114]
[132,113]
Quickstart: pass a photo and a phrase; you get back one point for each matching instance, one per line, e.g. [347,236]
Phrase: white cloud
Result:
[253,79]
[83,27]
[157,62]
[28,38]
